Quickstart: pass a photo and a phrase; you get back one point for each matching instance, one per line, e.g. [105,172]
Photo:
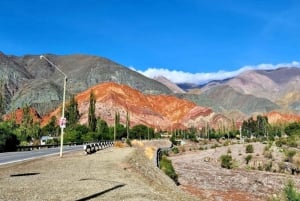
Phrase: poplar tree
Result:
[72,113]
[1,101]
[1,106]
[92,121]
[127,124]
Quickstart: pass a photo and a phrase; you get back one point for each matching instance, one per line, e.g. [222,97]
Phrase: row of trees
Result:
[261,128]
[97,128]
[29,131]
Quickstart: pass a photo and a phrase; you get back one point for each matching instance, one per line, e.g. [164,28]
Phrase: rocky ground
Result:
[200,173]
[113,174]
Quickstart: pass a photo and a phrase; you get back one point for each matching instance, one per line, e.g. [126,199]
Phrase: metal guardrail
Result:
[94,147]
[159,153]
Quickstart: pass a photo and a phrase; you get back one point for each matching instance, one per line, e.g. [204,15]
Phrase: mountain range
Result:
[27,80]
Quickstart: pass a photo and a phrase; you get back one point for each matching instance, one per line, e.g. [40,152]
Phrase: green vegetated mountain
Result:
[32,81]
[253,91]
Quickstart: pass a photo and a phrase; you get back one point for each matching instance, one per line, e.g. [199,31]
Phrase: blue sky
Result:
[183,40]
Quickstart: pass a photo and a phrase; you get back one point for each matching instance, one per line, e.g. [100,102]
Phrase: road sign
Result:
[62,122]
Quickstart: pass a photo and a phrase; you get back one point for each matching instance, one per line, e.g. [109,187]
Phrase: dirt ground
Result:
[111,174]
[200,173]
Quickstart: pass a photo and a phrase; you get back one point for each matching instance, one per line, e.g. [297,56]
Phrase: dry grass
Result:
[119,144]
[149,152]
[137,143]
[296,160]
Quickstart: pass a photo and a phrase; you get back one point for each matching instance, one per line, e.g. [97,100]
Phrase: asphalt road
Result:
[12,157]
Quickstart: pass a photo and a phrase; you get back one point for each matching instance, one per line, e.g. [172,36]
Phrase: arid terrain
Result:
[112,174]
[200,173]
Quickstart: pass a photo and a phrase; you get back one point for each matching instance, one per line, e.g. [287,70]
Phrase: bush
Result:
[175,150]
[214,146]
[8,141]
[167,167]
[128,142]
[268,166]
[290,192]
[289,155]
[226,161]
[249,148]
[268,154]
[248,158]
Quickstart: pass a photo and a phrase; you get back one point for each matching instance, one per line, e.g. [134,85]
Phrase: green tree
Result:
[117,123]
[71,112]
[76,133]
[25,131]
[127,124]
[293,129]
[8,140]
[139,131]
[92,121]
[52,128]
[1,101]
[1,106]
[102,129]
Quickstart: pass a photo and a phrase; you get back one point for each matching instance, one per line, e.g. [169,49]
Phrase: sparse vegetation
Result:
[175,150]
[289,155]
[249,148]
[268,154]
[268,166]
[226,161]
[128,142]
[248,158]
[167,167]
[289,193]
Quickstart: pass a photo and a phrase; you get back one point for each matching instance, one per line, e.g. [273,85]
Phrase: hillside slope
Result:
[29,80]
[162,112]
[223,98]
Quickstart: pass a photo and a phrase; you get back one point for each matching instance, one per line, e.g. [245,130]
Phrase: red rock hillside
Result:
[279,118]
[162,112]
[18,114]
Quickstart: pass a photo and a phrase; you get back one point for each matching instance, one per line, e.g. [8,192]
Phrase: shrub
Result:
[268,166]
[175,150]
[249,148]
[201,148]
[167,167]
[128,142]
[226,143]
[226,161]
[214,146]
[290,192]
[289,155]
[268,154]
[248,158]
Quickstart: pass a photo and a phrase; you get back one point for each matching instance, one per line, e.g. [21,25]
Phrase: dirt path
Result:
[111,174]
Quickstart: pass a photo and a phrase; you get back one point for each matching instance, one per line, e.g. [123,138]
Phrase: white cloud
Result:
[200,78]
